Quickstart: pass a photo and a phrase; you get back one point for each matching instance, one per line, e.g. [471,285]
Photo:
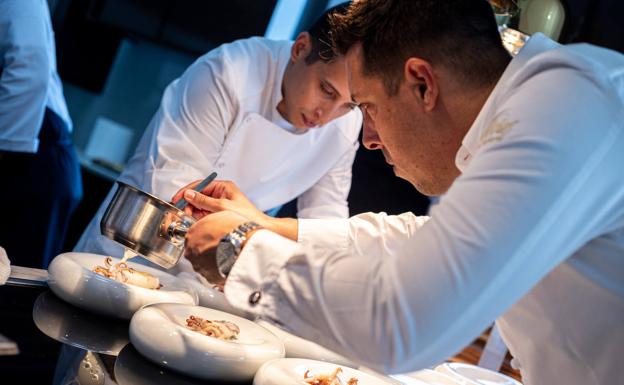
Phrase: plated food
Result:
[223,330]
[71,277]
[328,379]
[311,372]
[161,333]
[121,272]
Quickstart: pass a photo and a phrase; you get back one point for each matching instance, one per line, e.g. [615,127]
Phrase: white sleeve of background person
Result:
[24,75]
[191,124]
[397,296]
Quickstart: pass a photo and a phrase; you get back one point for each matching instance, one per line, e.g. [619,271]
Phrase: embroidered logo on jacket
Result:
[496,131]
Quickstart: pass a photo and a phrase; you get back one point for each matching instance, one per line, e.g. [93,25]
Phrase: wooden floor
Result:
[472,353]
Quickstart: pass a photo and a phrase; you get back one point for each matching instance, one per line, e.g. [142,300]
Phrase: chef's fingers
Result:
[203,202]
[199,214]
[215,189]
[221,189]
[178,195]
[194,211]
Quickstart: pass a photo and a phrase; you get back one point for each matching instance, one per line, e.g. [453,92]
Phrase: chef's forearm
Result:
[286,227]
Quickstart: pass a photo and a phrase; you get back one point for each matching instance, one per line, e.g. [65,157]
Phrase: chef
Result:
[529,231]
[40,169]
[276,117]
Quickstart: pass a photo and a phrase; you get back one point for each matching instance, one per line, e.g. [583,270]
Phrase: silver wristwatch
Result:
[230,247]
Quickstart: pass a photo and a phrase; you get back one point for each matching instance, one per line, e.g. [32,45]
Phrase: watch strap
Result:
[235,239]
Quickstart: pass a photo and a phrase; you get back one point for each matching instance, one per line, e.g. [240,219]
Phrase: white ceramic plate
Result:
[212,298]
[292,371]
[160,334]
[427,377]
[71,278]
[476,374]
[76,327]
[133,369]
[297,347]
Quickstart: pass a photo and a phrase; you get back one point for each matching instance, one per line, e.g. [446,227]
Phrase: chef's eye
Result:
[368,109]
[347,107]
[327,90]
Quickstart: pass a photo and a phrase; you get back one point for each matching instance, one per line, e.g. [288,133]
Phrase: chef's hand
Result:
[225,195]
[218,196]
[202,239]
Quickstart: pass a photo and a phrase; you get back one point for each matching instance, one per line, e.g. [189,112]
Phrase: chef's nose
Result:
[370,138]
[318,115]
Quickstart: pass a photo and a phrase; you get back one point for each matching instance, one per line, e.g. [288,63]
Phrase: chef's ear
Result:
[302,47]
[421,79]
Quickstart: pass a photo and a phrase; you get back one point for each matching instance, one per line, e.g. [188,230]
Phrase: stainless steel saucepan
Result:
[146,224]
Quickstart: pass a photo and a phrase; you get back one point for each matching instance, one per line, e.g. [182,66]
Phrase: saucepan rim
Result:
[158,200]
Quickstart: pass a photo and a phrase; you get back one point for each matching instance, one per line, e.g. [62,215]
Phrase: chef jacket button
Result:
[254,297]
[220,165]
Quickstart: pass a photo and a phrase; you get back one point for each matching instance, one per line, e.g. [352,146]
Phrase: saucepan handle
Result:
[177,230]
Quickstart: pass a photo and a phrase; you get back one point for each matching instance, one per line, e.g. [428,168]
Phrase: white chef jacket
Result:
[221,115]
[531,232]
[28,78]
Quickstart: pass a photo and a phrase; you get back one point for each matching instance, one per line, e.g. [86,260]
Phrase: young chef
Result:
[276,117]
[38,163]
[531,233]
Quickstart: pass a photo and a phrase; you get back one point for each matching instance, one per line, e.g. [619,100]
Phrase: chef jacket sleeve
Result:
[24,75]
[191,124]
[398,293]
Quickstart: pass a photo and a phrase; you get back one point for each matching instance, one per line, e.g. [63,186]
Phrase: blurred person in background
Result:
[41,183]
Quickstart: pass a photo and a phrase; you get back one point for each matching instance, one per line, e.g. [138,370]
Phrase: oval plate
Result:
[160,334]
[71,278]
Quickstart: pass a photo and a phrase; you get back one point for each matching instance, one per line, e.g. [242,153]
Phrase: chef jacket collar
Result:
[536,44]
[276,117]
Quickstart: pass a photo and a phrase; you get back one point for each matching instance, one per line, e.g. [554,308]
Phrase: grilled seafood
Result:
[124,274]
[222,330]
[327,379]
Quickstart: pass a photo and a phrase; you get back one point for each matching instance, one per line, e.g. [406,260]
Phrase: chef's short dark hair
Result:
[319,34]
[460,35]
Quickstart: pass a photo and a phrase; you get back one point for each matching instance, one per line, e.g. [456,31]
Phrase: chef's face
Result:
[313,94]
[404,127]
